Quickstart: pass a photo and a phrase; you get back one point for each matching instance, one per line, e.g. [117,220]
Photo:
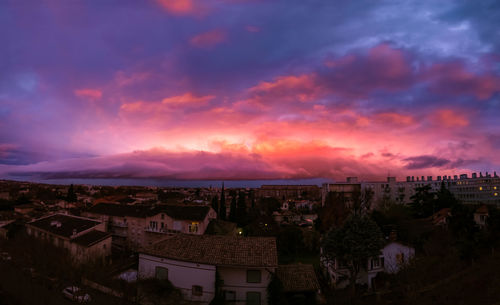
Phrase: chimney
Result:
[412,178]
[455,177]
[418,178]
[474,175]
[480,174]
[495,174]
[463,176]
[429,178]
[438,178]
[408,178]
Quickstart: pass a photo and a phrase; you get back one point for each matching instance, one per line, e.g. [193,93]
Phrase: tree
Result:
[232,210]
[465,231]
[423,203]
[71,197]
[275,291]
[241,209]
[333,213]
[353,244]
[222,205]
[445,198]
[215,205]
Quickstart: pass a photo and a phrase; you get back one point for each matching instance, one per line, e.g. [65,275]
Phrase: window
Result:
[253,298]
[375,263]
[230,295]
[197,290]
[162,225]
[153,225]
[400,258]
[161,273]
[193,227]
[253,276]
[162,216]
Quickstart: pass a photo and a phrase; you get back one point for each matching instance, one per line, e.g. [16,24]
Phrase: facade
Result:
[193,263]
[138,226]
[84,238]
[474,190]
[481,216]
[289,192]
[391,259]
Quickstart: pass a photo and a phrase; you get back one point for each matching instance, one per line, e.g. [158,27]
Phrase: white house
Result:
[138,226]
[392,258]
[192,263]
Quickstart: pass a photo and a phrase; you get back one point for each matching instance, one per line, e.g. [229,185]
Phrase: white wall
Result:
[391,253]
[235,279]
[182,275]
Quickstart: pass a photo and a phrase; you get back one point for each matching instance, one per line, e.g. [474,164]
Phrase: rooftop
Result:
[64,225]
[298,278]
[90,238]
[180,212]
[218,250]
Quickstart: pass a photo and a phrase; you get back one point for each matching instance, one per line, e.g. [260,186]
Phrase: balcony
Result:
[161,231]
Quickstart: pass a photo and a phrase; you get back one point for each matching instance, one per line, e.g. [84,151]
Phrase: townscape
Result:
[352,242]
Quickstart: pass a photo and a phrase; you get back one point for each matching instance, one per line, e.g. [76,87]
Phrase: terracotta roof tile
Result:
[298,278]
[218,250]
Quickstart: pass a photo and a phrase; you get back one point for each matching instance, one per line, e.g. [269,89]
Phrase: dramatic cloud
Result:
[243,89]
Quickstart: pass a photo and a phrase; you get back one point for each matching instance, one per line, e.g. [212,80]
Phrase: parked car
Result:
[74,293]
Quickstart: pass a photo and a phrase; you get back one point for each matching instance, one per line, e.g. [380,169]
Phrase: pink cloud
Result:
[90,94]
[394,118]
[178,7]
[208,39]
[450,118]
[454,79]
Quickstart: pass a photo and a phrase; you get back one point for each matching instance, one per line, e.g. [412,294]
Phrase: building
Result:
[391,259]
[84,238]
[482,189]
[192,263]
[289,192]
[136,226]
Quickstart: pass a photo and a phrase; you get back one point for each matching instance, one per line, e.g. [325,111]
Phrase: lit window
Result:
[197,290]
[253,276]
[494,187]
[496,194]
[480,188]
[193,227]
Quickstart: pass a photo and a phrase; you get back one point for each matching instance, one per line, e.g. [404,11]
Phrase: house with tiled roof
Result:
[84,238]
[243,266]
[138,226]
[393,256]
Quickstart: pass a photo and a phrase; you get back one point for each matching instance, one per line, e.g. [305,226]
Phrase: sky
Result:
[249,89]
